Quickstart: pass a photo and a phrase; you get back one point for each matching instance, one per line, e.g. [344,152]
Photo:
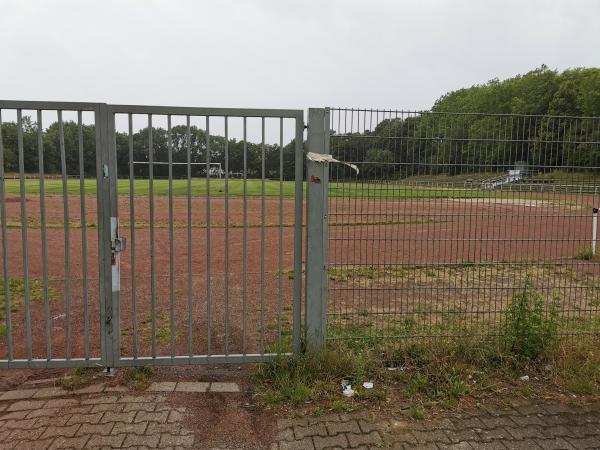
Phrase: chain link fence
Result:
[452,217]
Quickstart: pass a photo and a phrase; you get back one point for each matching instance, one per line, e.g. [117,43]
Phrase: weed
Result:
[82,376]
[138,378]
[585,254]
[417,412]
[529,331]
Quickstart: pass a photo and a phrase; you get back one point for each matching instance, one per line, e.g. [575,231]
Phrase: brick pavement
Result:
[525,425]
[112,417]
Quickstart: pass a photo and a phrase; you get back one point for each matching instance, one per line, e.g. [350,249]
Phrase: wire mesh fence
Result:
[454,217]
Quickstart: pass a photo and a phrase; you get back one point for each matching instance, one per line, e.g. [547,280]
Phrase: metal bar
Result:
[51,106]
[245,245]
[262,237]
[188,145]
[132,237]
[298,221]
[186,111]
[65,191]
[200,359]
[171,239]
[40,137]
[208,259]
[84,251]
[316,232]
[114,330]
[103,211]
[5,272]
[151,207]
[226,287]
[280,246]
[25,247]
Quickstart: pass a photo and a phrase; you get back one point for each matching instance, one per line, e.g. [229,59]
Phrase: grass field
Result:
[254,188]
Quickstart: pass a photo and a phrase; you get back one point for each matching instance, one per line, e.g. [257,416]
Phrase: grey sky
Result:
[283,53]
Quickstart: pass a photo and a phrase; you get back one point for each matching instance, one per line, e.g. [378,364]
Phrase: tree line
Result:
[198,145]
[544,119]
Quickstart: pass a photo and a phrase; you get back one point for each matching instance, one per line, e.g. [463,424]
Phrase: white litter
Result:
[348,391]
[323,158]
[524,378]
[368,385]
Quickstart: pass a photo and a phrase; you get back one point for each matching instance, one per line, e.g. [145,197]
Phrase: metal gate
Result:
[135,235]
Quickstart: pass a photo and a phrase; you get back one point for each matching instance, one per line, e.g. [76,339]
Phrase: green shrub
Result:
[529,328]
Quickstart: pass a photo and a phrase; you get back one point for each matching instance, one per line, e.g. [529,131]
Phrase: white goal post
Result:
[214,167]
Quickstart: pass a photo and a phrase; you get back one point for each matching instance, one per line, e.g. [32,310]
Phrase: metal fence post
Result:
[106,196]
[316,232]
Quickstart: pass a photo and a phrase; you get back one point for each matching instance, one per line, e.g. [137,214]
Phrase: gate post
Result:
[316,230]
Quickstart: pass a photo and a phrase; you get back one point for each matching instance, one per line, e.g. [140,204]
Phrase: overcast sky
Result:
[283,53]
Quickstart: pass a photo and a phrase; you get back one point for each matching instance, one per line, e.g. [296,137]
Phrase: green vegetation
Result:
[138,378]
[392,190]
[529,330]
[585,254]
[81,377]
[440,371]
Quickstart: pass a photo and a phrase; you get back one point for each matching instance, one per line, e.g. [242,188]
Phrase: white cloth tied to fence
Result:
[322,158]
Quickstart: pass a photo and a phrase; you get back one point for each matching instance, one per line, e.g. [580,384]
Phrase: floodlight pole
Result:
[594,229]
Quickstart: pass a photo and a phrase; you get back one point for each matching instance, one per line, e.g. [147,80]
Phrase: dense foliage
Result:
[544,119]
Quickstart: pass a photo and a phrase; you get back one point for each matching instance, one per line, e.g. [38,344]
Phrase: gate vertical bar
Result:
[316,232]
[102,191]
[299,192]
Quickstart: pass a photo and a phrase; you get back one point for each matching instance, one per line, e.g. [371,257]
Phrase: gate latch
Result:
[118,244]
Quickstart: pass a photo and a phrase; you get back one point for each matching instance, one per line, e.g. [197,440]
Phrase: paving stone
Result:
[424,437]
[135,428]
[101,428]
[314,430]
[224,387]
[108,407]
[379,425]
[162,386]
[98,441]
[527,420]
[192,386]
[61,402]
[456,436]
[16,415]
[91,389]
[99,400]
[52,421]
[530,431]
[85,418]
[115,389]
[285,435]
[44,412]
[373,438]
[17,394]
[168,440]
[41,444]
[148,407]
[527,444]
[61,431]
[456,446]
[334,428]
[286,423]
[145,440]
[20,423]
[26,404]
[138,399]
[86,409]
[587,442]
[160,417]
[175,416]
[493,445]
[126,417]
[50,392]
[26,434]
[72,443]
[302,444]
[338,441]
[554,444]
